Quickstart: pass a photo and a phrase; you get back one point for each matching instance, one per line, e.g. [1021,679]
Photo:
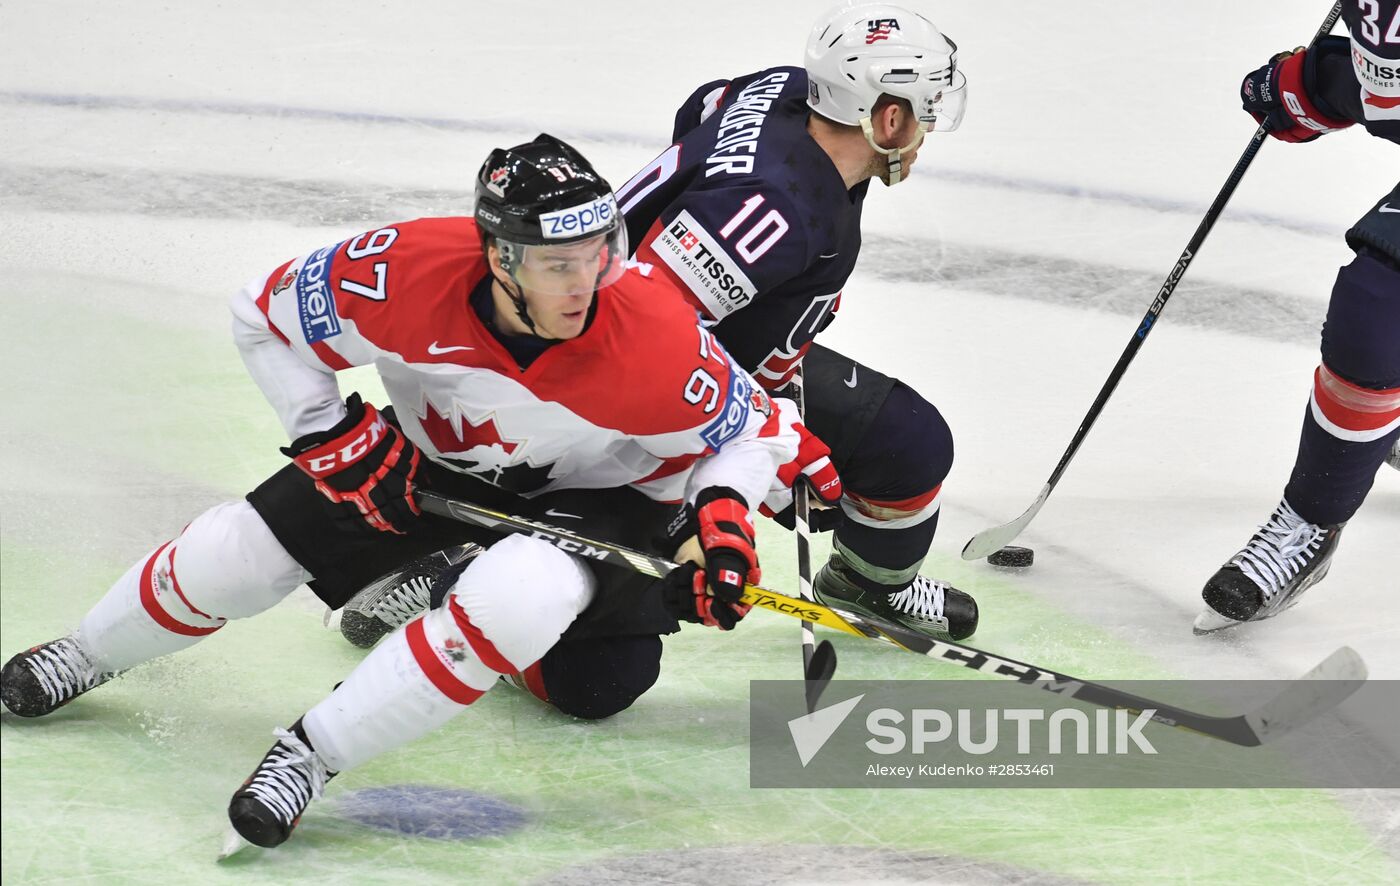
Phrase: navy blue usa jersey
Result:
[750,218]
[1361,80]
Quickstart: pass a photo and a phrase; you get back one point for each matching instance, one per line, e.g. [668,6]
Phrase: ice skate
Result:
[1285,557]
[47,677]
[268,806]
[394,599]
[933,608]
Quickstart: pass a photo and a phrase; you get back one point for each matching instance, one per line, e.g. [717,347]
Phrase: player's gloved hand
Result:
[1277,95]
[718,541]
[812,466]
[688,599]
[364,461]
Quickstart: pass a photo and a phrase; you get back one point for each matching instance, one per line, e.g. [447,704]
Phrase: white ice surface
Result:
[154,157]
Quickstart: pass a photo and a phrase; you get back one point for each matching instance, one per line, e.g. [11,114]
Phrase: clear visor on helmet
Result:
[564,269]
[942,108]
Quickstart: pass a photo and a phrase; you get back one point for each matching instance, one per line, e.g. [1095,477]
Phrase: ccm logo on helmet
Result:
[582,219]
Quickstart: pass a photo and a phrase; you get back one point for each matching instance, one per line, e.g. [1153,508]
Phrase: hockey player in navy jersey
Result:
[1352,422]
[503,342]
[755,211]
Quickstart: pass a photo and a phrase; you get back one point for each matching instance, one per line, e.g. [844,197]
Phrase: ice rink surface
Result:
[154,157]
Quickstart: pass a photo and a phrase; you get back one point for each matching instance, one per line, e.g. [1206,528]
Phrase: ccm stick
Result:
[1321,689]
[989,541]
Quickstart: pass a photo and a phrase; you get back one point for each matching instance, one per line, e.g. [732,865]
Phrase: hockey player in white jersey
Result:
[530,371]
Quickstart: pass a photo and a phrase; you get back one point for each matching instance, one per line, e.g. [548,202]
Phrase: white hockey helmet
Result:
[859,51]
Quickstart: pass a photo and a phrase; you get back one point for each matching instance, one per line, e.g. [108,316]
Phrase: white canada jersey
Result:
[645,397]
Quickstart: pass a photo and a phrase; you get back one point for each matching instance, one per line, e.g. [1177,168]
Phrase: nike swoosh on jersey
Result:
[851,382]
[832,255]
[436,350]
[553,513]
[1386,207]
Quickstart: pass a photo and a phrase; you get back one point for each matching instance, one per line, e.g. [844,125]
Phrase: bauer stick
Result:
[990,540]
[1321,689]
[818,662]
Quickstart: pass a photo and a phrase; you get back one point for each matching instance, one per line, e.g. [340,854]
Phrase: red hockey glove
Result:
[688,599]
[1276,95]
[812,466]
[364,461]
[726,537]
[719,525]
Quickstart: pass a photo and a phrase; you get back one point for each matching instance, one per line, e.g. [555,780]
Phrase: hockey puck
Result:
[1012,557]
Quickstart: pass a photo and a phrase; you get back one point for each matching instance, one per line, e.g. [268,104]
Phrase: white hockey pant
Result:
[502,615]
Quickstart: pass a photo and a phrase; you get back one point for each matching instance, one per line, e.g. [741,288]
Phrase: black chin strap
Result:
[517,298]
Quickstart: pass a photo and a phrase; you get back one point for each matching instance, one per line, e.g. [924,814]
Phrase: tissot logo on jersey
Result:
[704,266]
[577,220]
[315,301]
[1380,76]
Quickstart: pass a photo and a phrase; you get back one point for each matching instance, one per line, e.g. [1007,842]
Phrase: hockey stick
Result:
[991,540]
[818,662]
[1302,701]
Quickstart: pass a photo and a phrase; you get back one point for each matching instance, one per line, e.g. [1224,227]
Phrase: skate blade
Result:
[233,844]
[1210,621]
[331,620]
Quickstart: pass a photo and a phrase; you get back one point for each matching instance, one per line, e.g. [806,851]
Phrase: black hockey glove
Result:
[688,599]
[365,463]
[719,521]
[1279,94]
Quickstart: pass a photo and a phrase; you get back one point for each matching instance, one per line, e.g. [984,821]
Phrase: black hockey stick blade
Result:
[820,670]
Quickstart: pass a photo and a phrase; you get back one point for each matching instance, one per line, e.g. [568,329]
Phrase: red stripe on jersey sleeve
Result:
[330,357]
[264,300]
[671,466]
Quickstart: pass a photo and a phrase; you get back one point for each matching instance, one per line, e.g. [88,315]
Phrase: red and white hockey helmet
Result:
[859,51]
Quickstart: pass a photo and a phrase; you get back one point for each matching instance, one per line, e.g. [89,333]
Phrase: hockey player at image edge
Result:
[500,341]
[755,212]
[1352,421]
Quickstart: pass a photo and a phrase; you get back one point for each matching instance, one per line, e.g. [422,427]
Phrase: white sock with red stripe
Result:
[505,612]
[224,565]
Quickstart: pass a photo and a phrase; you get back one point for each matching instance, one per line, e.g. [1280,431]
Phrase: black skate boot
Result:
[47,677]
[268,806]
[933,608]
[394,599]
[1285,557]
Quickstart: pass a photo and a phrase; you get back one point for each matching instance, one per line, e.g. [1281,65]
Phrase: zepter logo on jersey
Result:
[704,266]
[579,220]
[315,300]
[734,414]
